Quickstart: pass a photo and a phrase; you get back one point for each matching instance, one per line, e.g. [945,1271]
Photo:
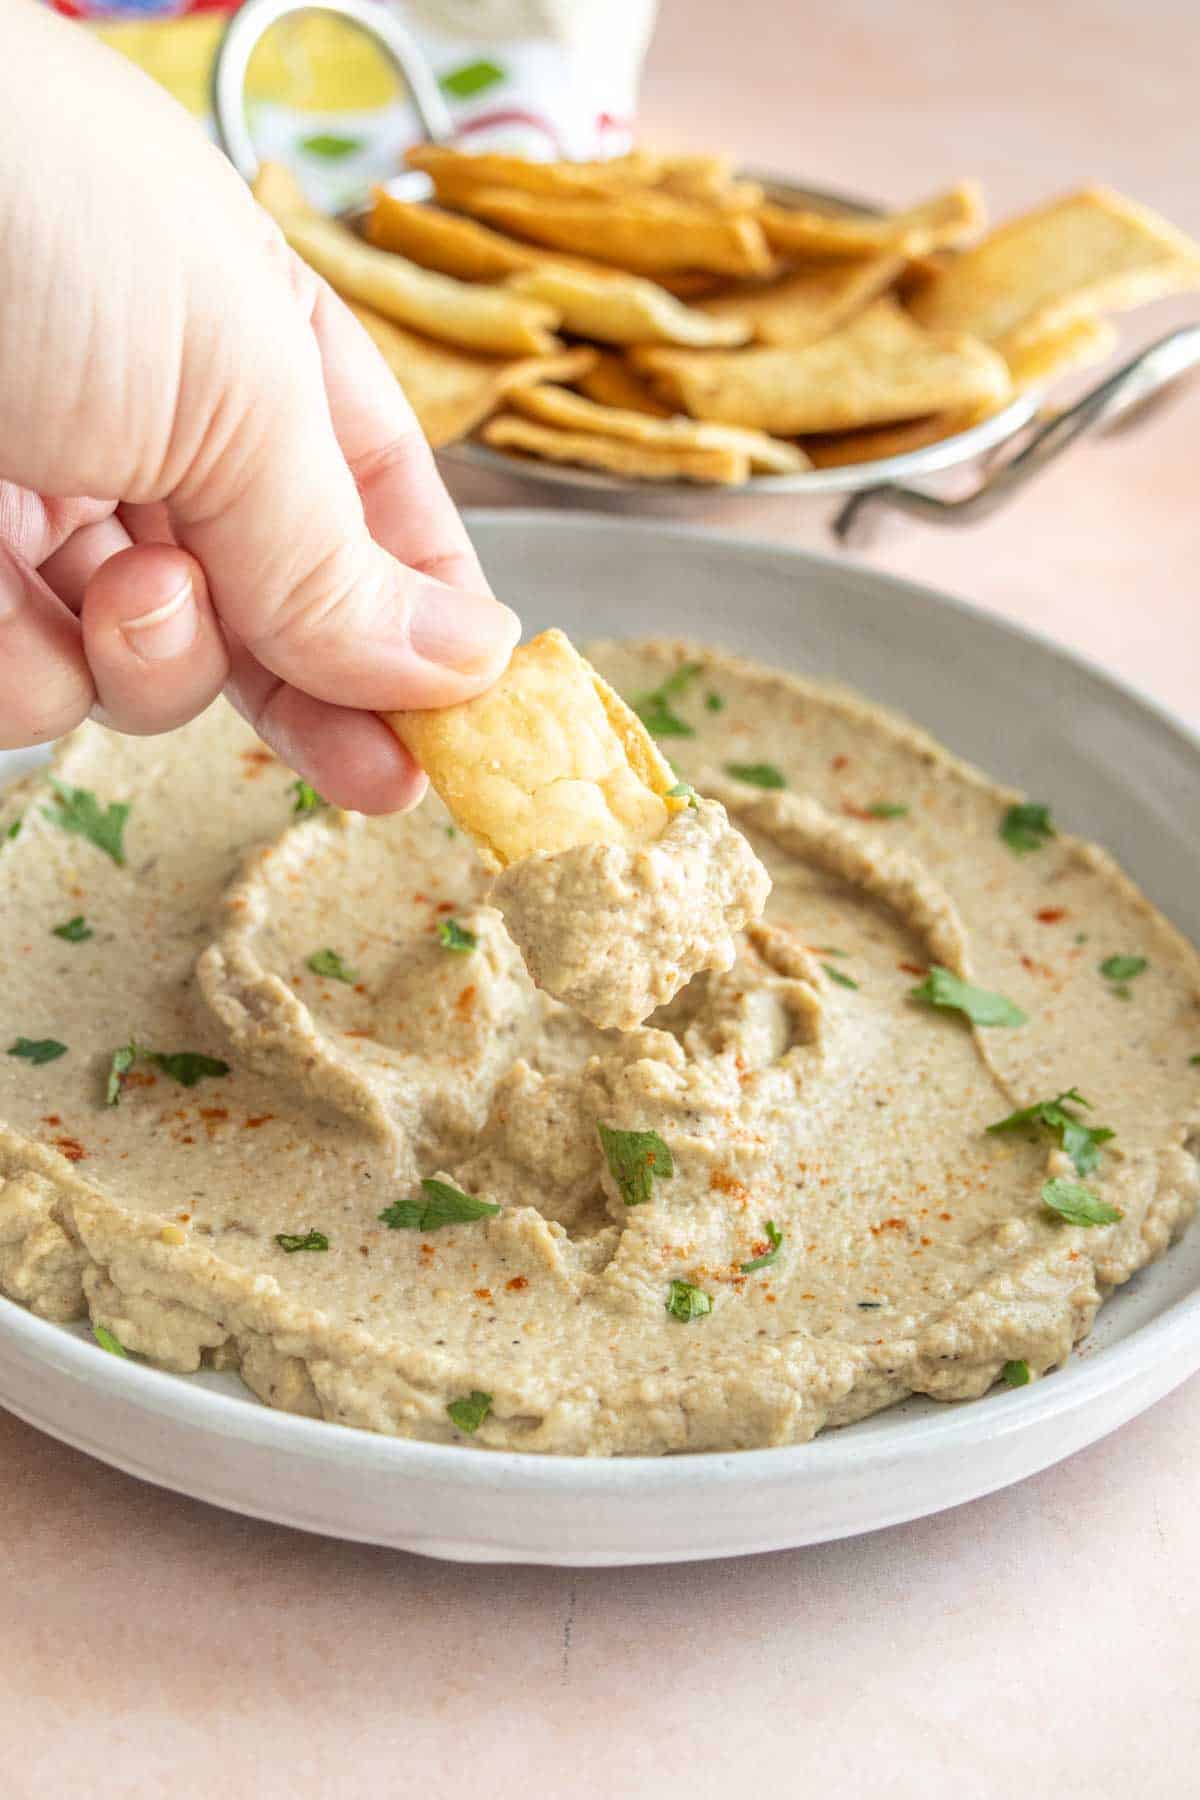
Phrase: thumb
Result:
[271,508]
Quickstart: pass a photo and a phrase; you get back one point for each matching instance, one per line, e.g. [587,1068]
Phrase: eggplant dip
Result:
[279,1093]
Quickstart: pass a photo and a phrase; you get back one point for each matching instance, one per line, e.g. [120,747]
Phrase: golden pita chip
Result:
[945,219]
[835,450]
[571,412]
[444,241]
[879,368]
[636,462]
[547,759]
[707,178]
[1074,346]
[809,303]
[1040,272]
[645,232]
[458,312]
[452,391]
[624,309]
[457,173]
[611,382]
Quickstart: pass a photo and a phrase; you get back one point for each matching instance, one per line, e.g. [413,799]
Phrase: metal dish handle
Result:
[255,18]
[1145,375]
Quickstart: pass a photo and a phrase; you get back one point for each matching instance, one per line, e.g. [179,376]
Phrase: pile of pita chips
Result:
[659,320]
[547,759]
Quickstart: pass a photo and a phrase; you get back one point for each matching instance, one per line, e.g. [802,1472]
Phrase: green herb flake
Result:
[443,1204]
[470,1412]
[1123,968]
[830,950]
[634,1159]
[77,810]
[14,829]
[714,702]
[108,1340]
[1077,1204]
[1194,1061]
[309,1240]
[330,965]
[775,1239]
[454,936]
[330,145]
[941,987]
[869,1305]
[37,1050]
[685,1302]
[187,1067]
[307,799]
[1016,1374]
[1080,1141]
[761,775]
[75,931]
[655,711]
[683,790]
[1027,827]
[1081,937]
[451,831]
[887,809]
[842,979]
[473,78]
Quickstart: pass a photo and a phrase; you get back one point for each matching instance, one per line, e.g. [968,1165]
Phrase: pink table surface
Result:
[1042,1642]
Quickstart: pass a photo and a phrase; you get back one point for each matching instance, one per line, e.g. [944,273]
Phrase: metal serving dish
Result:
[1017,442]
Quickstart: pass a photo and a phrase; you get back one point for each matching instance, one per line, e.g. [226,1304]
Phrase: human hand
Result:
[208,477]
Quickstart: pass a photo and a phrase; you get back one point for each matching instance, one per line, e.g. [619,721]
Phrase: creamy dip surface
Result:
[823,1223]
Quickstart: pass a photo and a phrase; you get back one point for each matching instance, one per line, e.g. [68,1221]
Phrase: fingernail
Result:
[166,631]
[468,632]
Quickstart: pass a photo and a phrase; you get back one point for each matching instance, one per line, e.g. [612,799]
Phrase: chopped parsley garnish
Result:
[470,1412]
[309,1240]
[187,1067]
[1080,1141]
[307,798]
[443,1204]
[452,831]
[454,936]
[1016,1374]
[943,988]
[887,809]
[683,790]
[1194,1061]
[1027,827]
[714,702]
[775,1239]
[77,809]
[634,1159]
[762,775]
[830,950]
[1077,1204]
[655,711]
[1123,968]
[14,829]
[75,931]
[686,1302]
[109,1341]
[330,964]
[38,1050]
[330,145]
[837,975]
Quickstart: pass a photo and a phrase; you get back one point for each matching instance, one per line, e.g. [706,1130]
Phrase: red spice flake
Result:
[483,1294]
[840,762]
[256,761]
[517,1284]
[465,1004]
[888,1225]
[444,906]
[723,1183]
[255,1120]
[187,1139]
[428,1250]
[912,968]
[183,1217]
[926,1241]
[214,1112]
[1050,915]
[356,1034]
[855,812]
[138,1078]
[770,1299]
[71,1148]
[51,1119]
[363,1250]
[360,987]
[946,1216]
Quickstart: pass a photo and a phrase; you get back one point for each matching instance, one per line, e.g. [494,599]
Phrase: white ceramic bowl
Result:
[1115,767]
